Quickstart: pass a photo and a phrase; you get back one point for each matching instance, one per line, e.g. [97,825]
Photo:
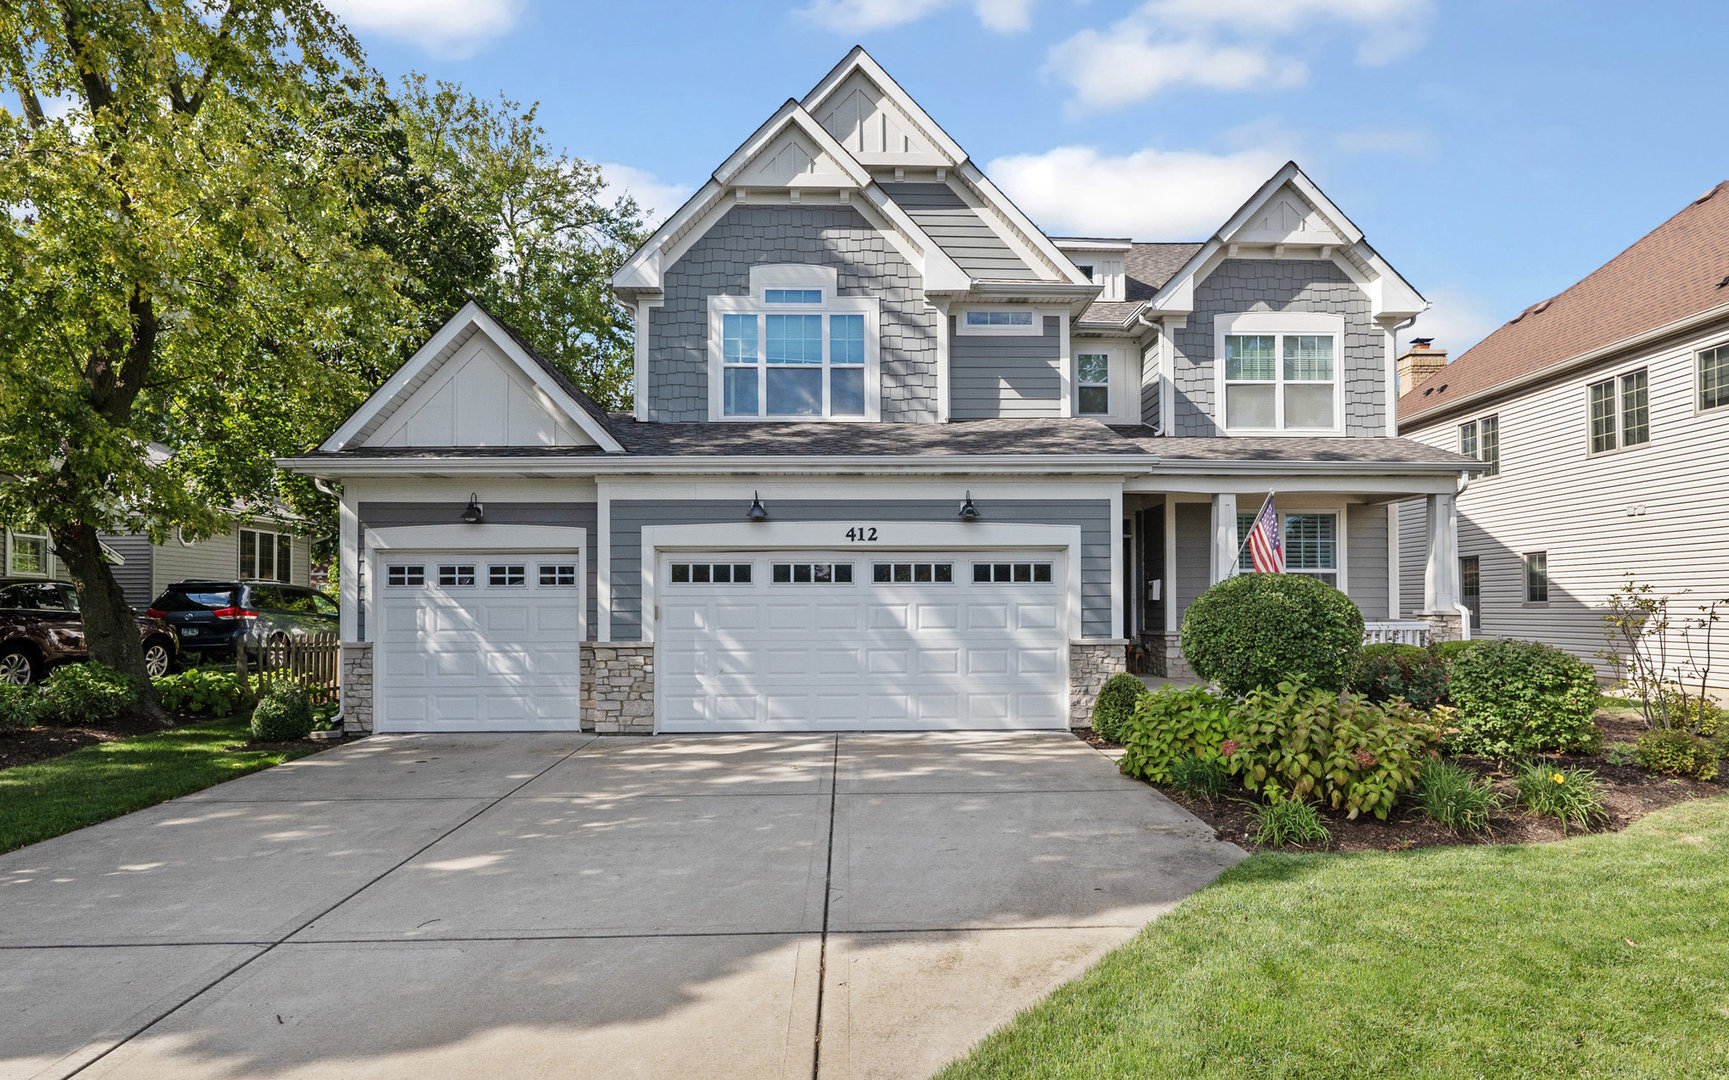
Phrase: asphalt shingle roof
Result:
[1148,267]
[1676,270]
[1320,448]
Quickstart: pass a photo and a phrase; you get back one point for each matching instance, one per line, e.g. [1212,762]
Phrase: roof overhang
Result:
[337,468]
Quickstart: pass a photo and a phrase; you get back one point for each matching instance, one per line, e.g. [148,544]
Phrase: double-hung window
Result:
[1280,372]
[1311,543]
[1481,439]
[1620,411]
[1093,384]
[1714,378]
[793,349]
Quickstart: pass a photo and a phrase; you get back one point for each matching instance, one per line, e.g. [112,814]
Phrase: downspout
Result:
[1158,332]
[1459,605]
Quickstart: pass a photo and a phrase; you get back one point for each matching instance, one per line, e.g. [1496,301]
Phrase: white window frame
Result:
[1277,324]
[1699,406]
[1476,425]
[1617,413]
[276,553]
[1111,379]
[792,276]
[1525,559]
[1034,329]
[47,570]
[1340,543]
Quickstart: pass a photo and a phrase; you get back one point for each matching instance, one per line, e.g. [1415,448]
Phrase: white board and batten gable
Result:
[472,386]
[875,130]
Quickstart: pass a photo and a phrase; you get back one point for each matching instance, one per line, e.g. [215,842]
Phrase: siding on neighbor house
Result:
[993,375]
[719,264]
[1654,510]
[1245,285]
[384,515]
[218,558]
[1092,516]
[135,575]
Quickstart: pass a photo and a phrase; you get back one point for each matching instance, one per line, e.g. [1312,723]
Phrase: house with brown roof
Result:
[1602,415]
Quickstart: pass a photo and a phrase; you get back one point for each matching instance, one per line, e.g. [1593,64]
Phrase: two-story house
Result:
[898,458]
[1602,417]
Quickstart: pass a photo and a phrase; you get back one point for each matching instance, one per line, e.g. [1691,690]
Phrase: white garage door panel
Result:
[790,655]
[477,656]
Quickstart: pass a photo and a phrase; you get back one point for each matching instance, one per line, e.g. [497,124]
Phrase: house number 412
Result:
[862,533]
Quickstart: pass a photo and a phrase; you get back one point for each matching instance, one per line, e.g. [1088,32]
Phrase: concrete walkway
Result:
[572,906]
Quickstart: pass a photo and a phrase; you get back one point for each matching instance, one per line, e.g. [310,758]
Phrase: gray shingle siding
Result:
[996,375]
[1243,285]
[719,264]
[1093,517]
[385,515]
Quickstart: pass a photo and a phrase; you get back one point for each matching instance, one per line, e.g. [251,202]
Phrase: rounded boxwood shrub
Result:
[1677,753]
[1259,630]
[86,693]
[1522,697]
[1115,702]
[285,714]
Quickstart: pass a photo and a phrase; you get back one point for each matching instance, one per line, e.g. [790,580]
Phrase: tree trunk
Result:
[110,630]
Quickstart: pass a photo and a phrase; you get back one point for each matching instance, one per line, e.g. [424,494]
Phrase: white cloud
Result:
[1457,320]
[1222,45]
[857,16]
[446,27]
[657,198]
[1126,65]
[1148,195]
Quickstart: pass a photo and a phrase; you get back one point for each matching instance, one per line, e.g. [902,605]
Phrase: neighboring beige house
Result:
[258,548]
[1604,414]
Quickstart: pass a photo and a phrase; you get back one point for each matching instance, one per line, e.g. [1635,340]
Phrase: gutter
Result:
[902,464]
[1563,367]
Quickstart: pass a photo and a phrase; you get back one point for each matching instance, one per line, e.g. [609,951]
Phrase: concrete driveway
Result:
[573,906]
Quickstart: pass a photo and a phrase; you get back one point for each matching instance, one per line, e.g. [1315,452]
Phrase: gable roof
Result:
[1146,268]
[469,320]
[1676,271]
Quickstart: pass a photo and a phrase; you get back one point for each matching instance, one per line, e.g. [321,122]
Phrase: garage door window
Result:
[710,573]
[405,575]
[507,575]
[558,574]
[455,575]
[900,573]
[997,573]
[813,573]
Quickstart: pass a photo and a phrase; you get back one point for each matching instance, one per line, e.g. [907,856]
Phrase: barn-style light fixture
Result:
[756,511]
[969,512]
[473,513]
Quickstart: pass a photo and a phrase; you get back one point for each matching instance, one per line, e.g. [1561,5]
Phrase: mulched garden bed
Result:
[40,743]
[1628,795]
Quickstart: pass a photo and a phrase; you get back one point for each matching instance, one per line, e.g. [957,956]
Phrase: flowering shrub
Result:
[1173,723]
[1347,752]
[1385,671]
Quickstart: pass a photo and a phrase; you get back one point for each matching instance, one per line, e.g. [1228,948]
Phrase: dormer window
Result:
[794,349]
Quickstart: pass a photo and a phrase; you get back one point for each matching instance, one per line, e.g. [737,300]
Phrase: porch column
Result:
[1441,565]
[1224,559]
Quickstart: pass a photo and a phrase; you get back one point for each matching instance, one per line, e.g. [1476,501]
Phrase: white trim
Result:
[1168,587]
[721,306]
[892,536]
[1393,598]
[1168,372]
[47,571]
[1276,324]
[1065,363]
[943,363]
[1033,329]
[276,538]
[471,313]
[639,377]
[348,567]
[767,276]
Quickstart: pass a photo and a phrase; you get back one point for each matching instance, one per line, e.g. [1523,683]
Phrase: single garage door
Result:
[840,641]
[472,642]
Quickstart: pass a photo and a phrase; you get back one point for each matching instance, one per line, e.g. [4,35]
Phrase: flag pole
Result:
[1237,563]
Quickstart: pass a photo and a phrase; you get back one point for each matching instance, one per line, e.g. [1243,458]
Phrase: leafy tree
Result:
[558,241]
[186,280]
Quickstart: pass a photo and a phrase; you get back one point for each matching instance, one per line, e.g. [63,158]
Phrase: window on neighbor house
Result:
[1714,378]
[28,554]
[1481,439]
[1471,589]
[1281,381]
[1311,543]
[1537,577]
[1620,412]
[263,555]
[1093,384]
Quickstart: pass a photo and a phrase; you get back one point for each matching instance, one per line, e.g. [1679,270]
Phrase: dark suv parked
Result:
[40,626]
[214,617]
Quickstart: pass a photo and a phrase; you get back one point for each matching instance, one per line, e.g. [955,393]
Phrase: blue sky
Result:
[1493,151]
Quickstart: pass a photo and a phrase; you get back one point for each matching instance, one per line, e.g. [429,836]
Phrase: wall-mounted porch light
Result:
[756,511]
[473,513]
[969,512]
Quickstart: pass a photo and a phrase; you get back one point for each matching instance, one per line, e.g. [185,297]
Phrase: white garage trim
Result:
[831,535]
[500,538]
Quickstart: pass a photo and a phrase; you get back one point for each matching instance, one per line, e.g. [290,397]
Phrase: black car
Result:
[214,617]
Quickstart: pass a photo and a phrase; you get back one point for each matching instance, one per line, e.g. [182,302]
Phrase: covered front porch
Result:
[1182,534]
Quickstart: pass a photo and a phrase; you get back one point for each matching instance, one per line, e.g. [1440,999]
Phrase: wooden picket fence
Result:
[314,661]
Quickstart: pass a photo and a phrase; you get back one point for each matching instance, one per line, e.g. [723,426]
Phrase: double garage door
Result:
[477,642]
[836,640]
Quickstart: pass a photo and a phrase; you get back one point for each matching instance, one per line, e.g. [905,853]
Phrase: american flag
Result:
[1266,549]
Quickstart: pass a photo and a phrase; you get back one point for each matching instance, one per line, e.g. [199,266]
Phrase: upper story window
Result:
[1714,378]
[263,555]
[1481,439]
[1022,322]
[1620,411]
[793,349]
[1093,384]
[1280,371]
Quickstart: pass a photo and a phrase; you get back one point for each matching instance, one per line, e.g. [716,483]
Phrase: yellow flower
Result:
[1560,778]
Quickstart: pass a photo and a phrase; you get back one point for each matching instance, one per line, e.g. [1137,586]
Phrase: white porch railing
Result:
[1396,632]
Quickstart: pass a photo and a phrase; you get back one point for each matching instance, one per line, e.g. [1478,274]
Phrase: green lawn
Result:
[1600,956]
[93,784]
